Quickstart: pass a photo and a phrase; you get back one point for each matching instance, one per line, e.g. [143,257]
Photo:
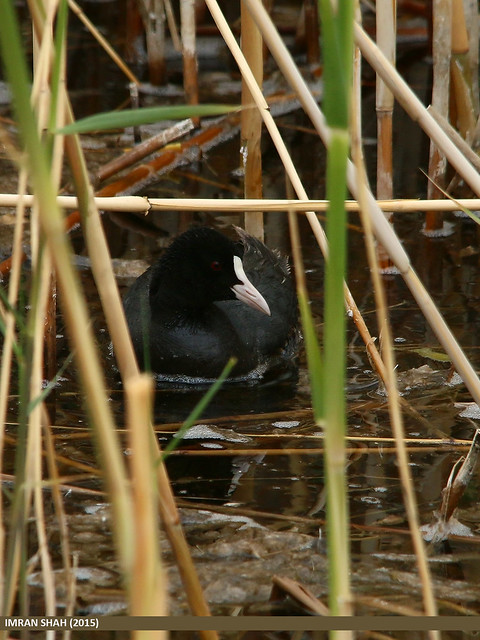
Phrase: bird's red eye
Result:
[216,266]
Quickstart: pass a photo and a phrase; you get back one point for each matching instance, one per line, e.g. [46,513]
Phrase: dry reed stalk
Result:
[106,46]
[442,36]
[461,72]
[153,16]
[189,52]
[286,587]
[172,25]
[60,515]
[473,30]
[251,123]
[101,265]
[457,139]
[386,40]
[180,548]
[7,350]
[148,592]
[256,9]
[77,321]
[388,354]
[41,298]
[128,368]
[42,269]
[144,204]
[460,476]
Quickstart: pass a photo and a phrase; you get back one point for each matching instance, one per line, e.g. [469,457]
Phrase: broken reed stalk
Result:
[460,477]
[388,353]
[386,20]
[143,204]
[143,149]
[109,294]
[251,123]
[148,592]
[189,53]
[112,306]
[441,52]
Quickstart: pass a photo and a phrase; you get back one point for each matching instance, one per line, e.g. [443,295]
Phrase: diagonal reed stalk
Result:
[391,386]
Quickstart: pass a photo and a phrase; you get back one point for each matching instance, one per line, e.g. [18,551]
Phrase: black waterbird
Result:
[209,298]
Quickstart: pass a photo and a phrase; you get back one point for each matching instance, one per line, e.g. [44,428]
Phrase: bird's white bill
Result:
[246,292]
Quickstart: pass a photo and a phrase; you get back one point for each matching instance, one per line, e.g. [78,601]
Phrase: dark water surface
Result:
[283,491]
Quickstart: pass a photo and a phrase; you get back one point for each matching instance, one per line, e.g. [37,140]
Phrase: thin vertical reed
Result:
[61,519]
[337,39]
[49,104]
[442,36]
[461,73]
[34,443]
[386,40]
[251,123]
[7,353]
[133,31]
[473,31]
[312,346]
[189,52]
[153,16]
[172,25]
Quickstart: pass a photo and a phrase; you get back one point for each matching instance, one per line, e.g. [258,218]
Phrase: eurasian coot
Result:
[208,298]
